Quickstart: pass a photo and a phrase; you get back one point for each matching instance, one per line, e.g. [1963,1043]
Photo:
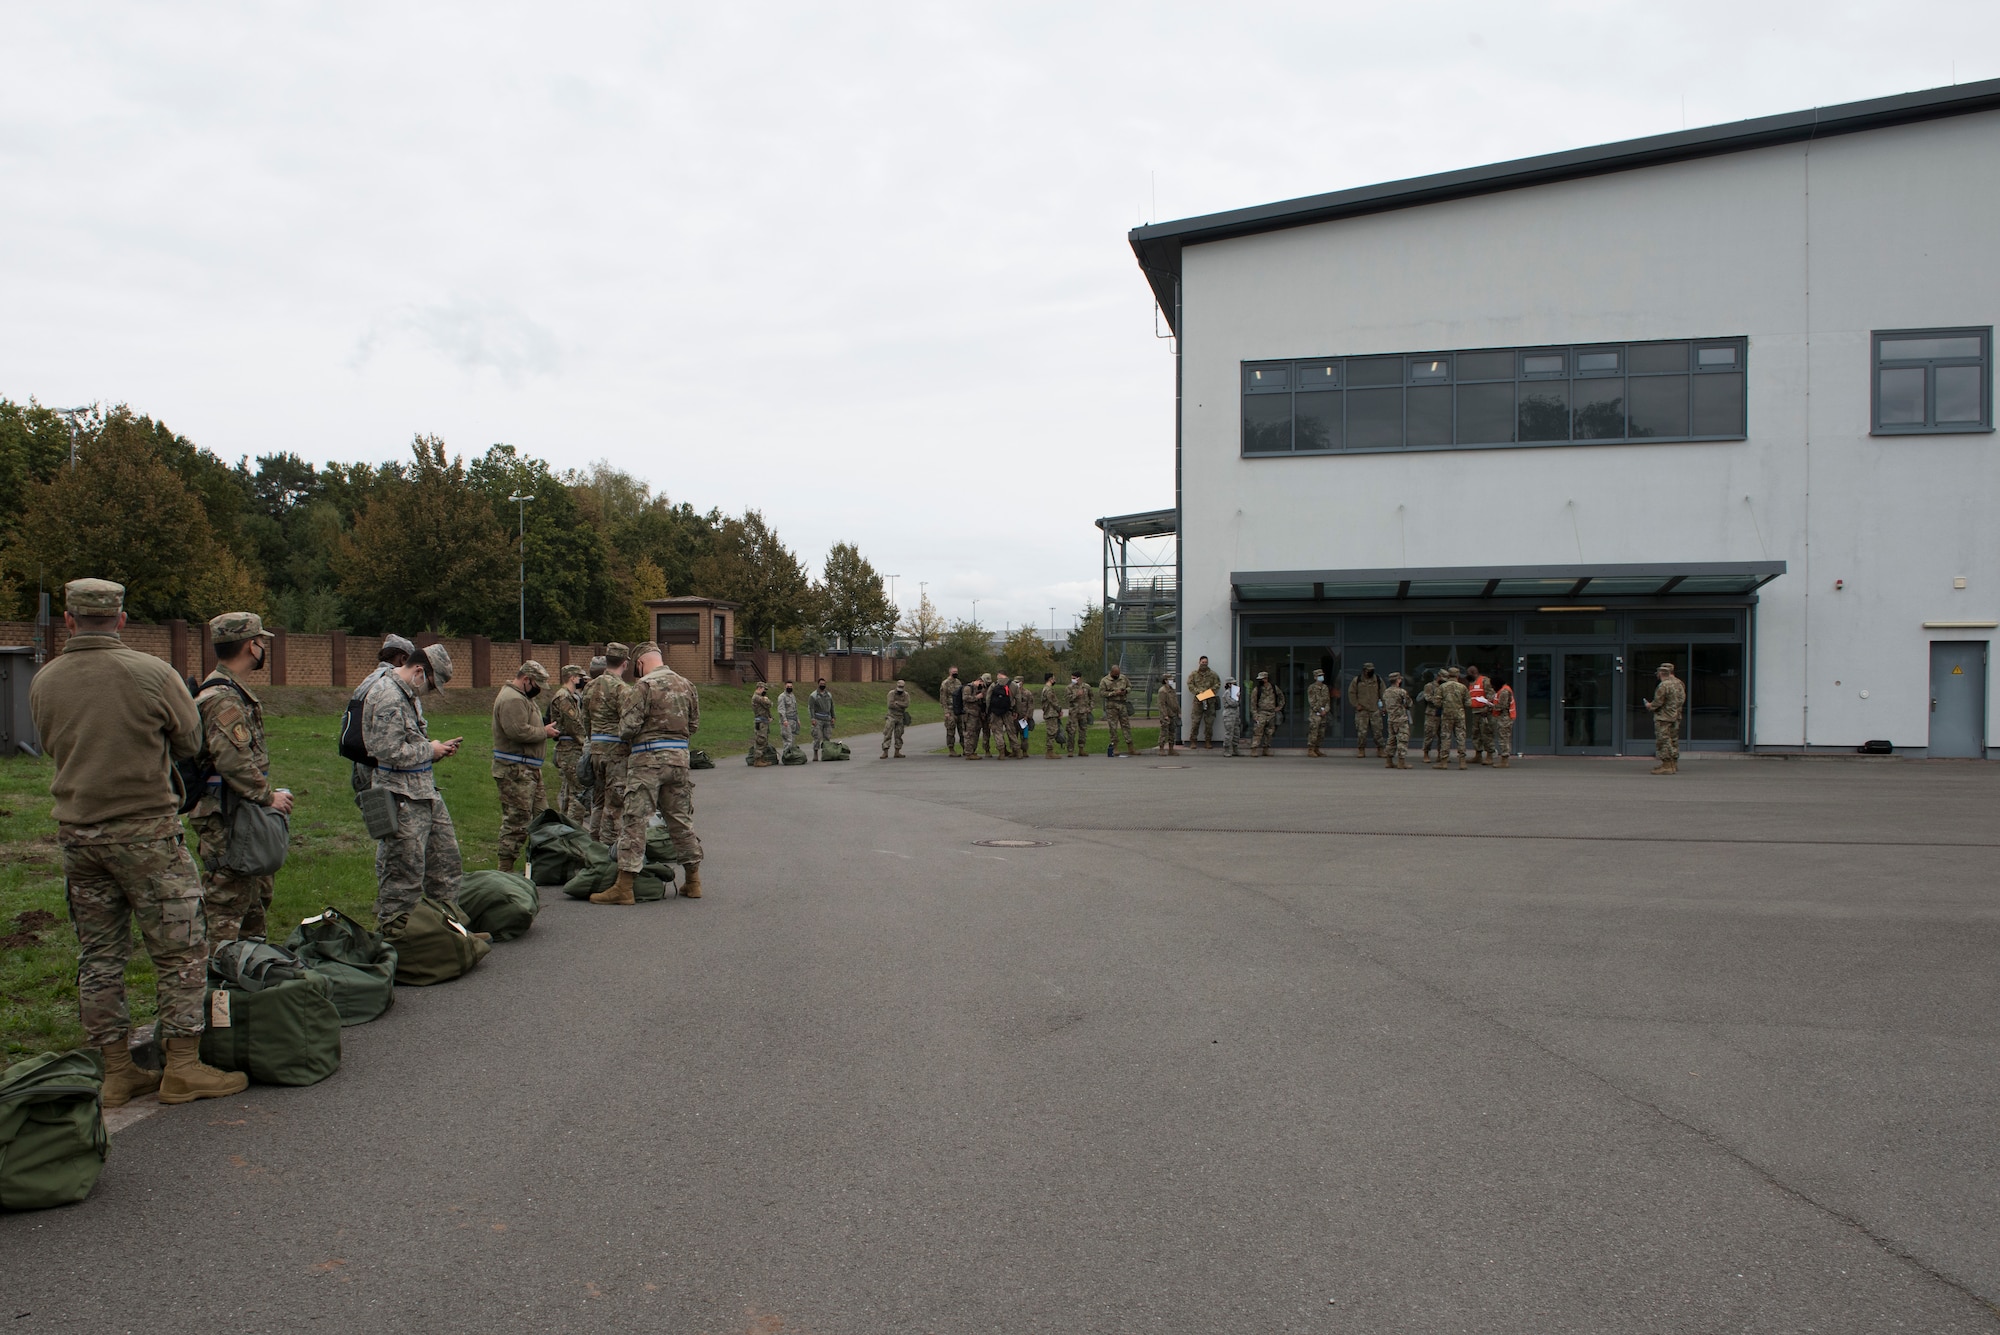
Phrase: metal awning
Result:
[1547,584]
[1144,524]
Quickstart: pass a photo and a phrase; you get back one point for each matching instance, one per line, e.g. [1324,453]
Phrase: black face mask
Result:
[258,666]
[532,691]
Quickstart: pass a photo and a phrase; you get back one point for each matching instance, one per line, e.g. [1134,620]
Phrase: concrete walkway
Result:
[1242,1045]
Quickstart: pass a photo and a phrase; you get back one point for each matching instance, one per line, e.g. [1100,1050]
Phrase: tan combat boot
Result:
[187,1079]
[692,889]
[1660,768]
[1361,752]
[123,1079]
[1461,760]
[1389,763]
[1503,761]
[1402,764]
[620,891]
[1674,765]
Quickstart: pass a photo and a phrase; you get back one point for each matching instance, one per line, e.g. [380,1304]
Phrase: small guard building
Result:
[1722,397]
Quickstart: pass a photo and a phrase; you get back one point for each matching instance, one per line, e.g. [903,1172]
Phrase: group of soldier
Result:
[994,711]
[820,712]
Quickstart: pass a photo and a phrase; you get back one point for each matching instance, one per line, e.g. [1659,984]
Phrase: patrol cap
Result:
[571,670]
[1666,667]
[614,652]
[94,597]
[533,671]
[397,643]
[439,659]
[1367,667]
[232,627]
[1262,675]
[598,664]
[641,650]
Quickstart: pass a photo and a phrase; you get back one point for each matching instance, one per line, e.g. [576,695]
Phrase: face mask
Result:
[258,666]
[1319,676]
[532,691]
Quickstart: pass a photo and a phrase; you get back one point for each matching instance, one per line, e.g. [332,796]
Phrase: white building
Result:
[1723,397]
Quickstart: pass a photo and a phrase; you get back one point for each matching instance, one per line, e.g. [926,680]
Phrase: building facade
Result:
[1722,397]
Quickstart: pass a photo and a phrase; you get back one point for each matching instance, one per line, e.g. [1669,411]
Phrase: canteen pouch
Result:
[358,965]
[52,1136]
[378,811]
[259,837]
[499,903]
[286,1033]
[433,944]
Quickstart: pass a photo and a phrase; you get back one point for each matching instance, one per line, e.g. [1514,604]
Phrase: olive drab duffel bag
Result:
[793,754]
[357,964]
[499,903]
[760,756]
[52,1136]
[699,759]
[434,944]
[834,751]
[647,887]
[253,965]
[558,850]
[284,1032]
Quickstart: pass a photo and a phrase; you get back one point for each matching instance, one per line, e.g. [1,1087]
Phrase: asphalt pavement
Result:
[1241,1046]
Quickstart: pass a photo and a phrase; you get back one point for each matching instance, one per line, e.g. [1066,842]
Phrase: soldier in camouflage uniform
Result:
[1115,689]
[1267,705]
[1365,694]
[1669,699]
[660,712]
[112,719]
[232,727]
[1319,704]
[1169,704]
[566,712]
[1000,717]
[421,857]
[1078,744]
[603,706]
[760,725]
[1451,698]
[1052,717]
[951,694]
[1429,699]
[1503,723]
[1479,714]
[819,706]
[395,652]
[1231,697]
[975,716]
[1201,727]
[898,719]
[519,738]
[788,717]
[1396,706]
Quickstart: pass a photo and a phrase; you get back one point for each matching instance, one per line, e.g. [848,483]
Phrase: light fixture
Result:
[1569,609]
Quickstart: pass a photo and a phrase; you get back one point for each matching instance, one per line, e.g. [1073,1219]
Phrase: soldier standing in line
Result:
[1201,726]
[1452,697]
[1479,714]
[395,652]
[897,719]
[788,717]
[951,694]
[566,713]
[1365,694]
[1668,700]
[232,726]
[1396,706]
[658,714]
[1503,722]
[1232,718]
[1169,697]
[113,719]
[603,705]
[1079,716]
[1429,699]
[1319,704]
[421,857]
[1115,689]
[519,738]
[1000,717]
[975,716]
[819,711]
[760,722]
[1267,705]
[1052,717]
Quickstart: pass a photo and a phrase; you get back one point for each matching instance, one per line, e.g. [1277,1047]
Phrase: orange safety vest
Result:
[1479,700]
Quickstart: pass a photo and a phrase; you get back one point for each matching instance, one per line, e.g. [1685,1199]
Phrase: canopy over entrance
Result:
[1549,584]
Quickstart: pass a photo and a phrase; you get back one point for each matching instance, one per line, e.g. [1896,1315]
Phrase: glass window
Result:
[1718,405]
[1485,366]
[1318,375]
[1257,379]
[1684,625]
[1715,693]
[1485,413]
[1901,397]
[677,627]
[1653,358]
[1310,628]
[1267,423]
[1375,371]
[1933,380]
[1600,409]
[1317,421]
[1582,627]
[1719,358]
[1660,404]
[1642,662]
[1544,412]
[1491,626]
[1596,362]
[1429,370]
[1544,363]
[1375,418]
[1925,349]
[1430,416]
[1958,393]
[1376,630]
[1430,629]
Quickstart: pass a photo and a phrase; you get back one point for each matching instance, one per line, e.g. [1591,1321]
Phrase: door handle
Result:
[1934,704]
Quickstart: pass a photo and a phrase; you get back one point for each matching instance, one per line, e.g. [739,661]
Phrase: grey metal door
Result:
[1958,698]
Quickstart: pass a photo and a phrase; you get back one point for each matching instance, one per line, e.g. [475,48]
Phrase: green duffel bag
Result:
[433,944]
[793,755]
[285,1033]
[558,850]
[358,965]
[653,883]
[699,759]
[760,756]
[835,751]
[252,966]
[52,1136]
[499,903]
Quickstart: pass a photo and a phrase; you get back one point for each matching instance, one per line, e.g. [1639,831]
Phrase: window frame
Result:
[1930,426]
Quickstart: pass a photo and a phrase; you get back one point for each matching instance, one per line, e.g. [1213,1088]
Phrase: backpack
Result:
[358,966]
[834,751]
[284,1032]
[433,944]
[191,775]
[499,902]
[52,1136]
[793,754]
[352,744]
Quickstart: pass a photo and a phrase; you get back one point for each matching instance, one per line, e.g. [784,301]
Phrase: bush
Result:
[926,668]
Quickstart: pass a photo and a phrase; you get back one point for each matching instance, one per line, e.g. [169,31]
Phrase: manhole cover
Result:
[1011,843]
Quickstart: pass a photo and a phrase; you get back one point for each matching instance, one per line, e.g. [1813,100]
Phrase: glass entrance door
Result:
[1570,702]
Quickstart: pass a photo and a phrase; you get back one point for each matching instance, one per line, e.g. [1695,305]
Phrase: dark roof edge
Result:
[1158,245]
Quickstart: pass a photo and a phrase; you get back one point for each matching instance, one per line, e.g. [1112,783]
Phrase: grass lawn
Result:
[332,860]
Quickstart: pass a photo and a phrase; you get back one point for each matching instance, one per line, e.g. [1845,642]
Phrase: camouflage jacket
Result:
[1114,690]
[232,728]
[1079,698]
[1052,702]
[951,694]
[112,718]
[1169,700]
[566,712]
[1204,679]
[1266,698]
[899,703]
[1429,695]
[603,706]
[975,697]
[1397,701]
[662,704]
[517,729]
[1452,697]
[1668,699]
[788,708]
[1318,699]
[1365,693]
[821,705]
[760,708]
[393,727]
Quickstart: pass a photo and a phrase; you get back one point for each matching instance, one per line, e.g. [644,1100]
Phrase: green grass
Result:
[332,859]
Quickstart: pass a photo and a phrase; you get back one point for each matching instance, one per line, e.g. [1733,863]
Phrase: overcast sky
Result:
[863,267]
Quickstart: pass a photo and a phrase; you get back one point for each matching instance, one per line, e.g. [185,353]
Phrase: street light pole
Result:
[523,500]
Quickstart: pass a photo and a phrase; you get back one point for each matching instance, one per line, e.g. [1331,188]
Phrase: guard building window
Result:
[1931,381]
[677,628]
[1681,390]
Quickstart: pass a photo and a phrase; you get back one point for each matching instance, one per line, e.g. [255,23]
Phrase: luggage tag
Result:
[457,926]
[218,1009]
[318,917]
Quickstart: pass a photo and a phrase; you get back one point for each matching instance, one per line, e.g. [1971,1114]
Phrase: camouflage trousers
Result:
[1076,736]
[1482,731]
[109,886]
[1503,735]
[1399,738]
[420,858]
[822,733]
[1433,728]
[521,801]
[1451,728]
[1119,724]
[1666,738]
[608,795]
[760,734]
[892,733]
[233,906]
[1316,728]
[975,731]
[1267,727]
[954,731]
[1170,731]
[571,808]
[1372,725]
[1002,733]
[788,732]
[1202,726]
[657,781]
[1052,740]
[1232,733]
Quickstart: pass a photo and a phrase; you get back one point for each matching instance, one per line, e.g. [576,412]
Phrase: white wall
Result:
[1805,249]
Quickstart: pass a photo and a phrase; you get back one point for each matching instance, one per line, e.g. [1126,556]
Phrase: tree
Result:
[641,526]
[922,627]
[1086,644]
[850,601]
[575,591]
[748,565]
[647,582]
[1027,655]
[427,552]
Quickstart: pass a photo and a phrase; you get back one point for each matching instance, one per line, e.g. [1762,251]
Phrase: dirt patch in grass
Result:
[37,852]
[28,929]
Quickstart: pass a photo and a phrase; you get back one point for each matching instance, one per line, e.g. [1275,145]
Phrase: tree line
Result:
[430,543]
